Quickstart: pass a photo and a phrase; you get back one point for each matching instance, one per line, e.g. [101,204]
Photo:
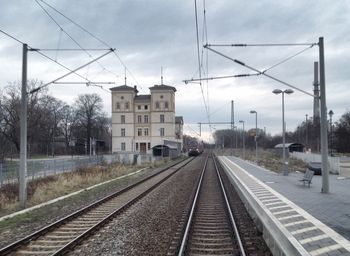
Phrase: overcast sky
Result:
[150,34]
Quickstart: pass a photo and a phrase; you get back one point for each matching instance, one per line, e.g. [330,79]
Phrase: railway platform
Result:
[294,219]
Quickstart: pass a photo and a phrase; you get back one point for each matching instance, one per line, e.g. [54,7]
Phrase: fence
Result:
[334,162]
[9,170]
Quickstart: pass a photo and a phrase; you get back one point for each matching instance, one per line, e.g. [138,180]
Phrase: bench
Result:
[307,177]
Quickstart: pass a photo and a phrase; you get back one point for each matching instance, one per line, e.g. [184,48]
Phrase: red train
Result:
[195,148]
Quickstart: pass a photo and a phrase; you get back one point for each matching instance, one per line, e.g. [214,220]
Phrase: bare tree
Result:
[88,108]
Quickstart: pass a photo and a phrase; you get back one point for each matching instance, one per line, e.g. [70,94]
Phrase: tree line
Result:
[54,127]
[306,133]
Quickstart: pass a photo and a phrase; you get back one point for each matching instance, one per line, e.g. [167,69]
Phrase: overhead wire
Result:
[288,58]
[199,58]
[10,36]
[58,43]
[71,37]
[258,71]
[95,37]
[44,55]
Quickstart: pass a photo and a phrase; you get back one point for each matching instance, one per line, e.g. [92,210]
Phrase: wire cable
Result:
[65,67]
[258,71]
[264,45]
[198,57]
[288,58]
[10,36]
[65,32]
[44,55]
[95,37]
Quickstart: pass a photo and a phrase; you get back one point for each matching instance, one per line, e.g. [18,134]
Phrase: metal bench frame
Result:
[307,177]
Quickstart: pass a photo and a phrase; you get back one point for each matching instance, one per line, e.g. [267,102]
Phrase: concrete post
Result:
[23,143]
[324,139]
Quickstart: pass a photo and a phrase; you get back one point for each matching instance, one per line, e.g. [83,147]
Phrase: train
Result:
[195,148]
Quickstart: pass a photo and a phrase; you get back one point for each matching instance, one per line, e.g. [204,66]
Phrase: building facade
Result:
[140,122]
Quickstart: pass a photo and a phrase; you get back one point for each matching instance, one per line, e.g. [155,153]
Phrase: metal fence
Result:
[9,170]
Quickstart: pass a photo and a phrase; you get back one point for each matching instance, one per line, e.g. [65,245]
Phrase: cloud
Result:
[152,34]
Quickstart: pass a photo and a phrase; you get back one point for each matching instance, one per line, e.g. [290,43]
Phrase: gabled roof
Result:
[124,88]
[162,87]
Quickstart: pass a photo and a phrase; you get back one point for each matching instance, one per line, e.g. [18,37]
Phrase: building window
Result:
[139,107]
[149,145]
[139,132]
[123,132]
[137,146]
[162,118]
[122,119]
[145,132]
[145,119]
[117,105]
[122,97]
[157,104]
[166,105]
[123,146]
[139,119]
[146,107]
[161,131]
[161,96]
[126,105]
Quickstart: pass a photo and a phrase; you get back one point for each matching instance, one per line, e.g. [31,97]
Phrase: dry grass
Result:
[44,189]
[268,159]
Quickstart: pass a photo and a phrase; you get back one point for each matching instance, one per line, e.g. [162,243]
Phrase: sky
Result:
[150,34]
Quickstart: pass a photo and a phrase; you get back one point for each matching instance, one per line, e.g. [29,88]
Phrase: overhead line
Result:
[247,45]
[97,38]
[288,58]
[198,56]
[72,49]
[65,67]
[75,41]
[220,77]
[10,36]
[256,70]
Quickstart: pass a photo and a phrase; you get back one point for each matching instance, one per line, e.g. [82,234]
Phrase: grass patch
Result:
[44,189]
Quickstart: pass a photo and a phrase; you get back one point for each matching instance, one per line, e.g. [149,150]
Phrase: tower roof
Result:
[162,87]
[124,88]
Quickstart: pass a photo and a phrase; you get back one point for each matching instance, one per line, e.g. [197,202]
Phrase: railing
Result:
[9,170]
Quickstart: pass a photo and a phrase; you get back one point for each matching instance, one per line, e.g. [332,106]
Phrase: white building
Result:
[140,122]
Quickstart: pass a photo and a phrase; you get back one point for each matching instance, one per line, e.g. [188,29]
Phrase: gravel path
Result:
[147,227]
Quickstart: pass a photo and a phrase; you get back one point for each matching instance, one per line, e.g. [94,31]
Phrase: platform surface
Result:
[328,211]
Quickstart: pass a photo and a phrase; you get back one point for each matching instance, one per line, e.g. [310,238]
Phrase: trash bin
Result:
[316,167]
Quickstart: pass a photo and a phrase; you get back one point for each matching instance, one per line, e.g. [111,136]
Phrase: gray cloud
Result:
[154,33]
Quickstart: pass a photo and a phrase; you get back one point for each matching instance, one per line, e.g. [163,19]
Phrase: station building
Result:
[141,123]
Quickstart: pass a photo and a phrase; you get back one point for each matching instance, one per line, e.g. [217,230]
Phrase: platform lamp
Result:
[256,134]
[243,138]
[285,163]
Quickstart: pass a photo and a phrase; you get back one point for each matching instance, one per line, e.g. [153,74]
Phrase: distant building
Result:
[141,122]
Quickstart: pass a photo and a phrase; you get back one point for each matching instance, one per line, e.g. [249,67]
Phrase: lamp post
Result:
[330,113]
[306,131]
[285,163]
[256,134]
[243,138]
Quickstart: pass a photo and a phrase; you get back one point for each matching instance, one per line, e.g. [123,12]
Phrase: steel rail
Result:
[24,241]
[194,204]
[233,222]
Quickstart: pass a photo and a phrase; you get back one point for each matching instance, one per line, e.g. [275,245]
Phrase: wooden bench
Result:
[307,177]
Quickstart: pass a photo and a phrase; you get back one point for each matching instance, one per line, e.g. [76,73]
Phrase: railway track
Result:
[60,237]
[211,228]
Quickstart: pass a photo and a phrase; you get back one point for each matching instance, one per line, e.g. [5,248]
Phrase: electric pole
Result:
[23,143]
